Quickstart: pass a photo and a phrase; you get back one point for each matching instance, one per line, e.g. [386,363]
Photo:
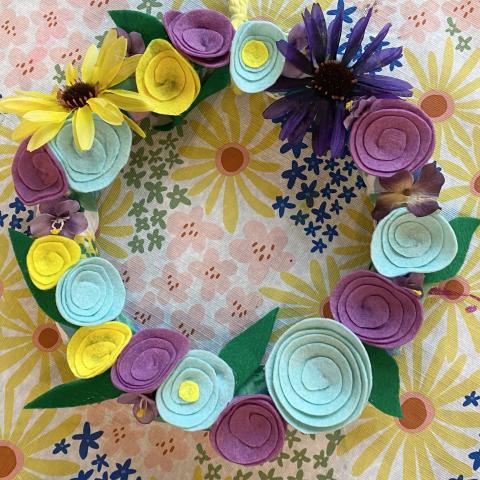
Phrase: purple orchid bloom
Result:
[319,98]
[59,218]
[144,407]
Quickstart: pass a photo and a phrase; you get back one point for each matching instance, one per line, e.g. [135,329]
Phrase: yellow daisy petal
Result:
[134,126]
[45,116]
[21,105]
[83,127]
[88,64]
[106,110]
[43,135]
[70,74]
[126,100]
[127,69]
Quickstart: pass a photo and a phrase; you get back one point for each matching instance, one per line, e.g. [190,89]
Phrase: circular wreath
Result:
[321,372]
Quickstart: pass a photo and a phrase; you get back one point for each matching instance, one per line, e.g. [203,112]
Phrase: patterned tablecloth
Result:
[210,226]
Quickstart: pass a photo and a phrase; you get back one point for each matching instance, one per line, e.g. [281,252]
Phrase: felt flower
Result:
[255,62]
[202,35]
[37,176]
[403,243]
[93,350]
[167,79]
[59,218]
[196,391]
[49,258]
[144,408]
[391,135]
[95,169]
[318,99]
[148,359]
[319,375]
[250,431]
[43,114]
[90,293]
[135,43]
[376,310]
[401,189]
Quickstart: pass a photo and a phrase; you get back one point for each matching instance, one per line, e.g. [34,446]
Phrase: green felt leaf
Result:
[45,298]
[87,201]
[464,228]
[148,26]
[245,352]
[256,383]
[386,382]
[77,392]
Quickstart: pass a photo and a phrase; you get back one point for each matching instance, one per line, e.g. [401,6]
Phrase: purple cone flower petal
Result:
[356,38]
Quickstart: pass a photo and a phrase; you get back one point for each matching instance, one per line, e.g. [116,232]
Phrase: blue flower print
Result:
[308,193]
[100,462]
[299,218]
[87,440]
[321,214]
[295,172]
[83,475]
[61,447]
[318,245]
[471,399]
[123,472]
[281,204]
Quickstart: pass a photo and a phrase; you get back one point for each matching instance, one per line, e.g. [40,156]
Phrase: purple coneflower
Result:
[318,99]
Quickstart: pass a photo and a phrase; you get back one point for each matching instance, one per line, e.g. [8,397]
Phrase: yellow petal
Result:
[88,64]
[70,74]
[106,110]
[127,69]
[110,60]
[127,100]
[21,105]
[45,116]
[24,129]
[43,134]
[134,126]
[83,127]
[32,93]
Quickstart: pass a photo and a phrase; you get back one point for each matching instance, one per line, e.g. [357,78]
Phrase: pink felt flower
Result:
[193,324]
[95,11]
[213,272]
[26,66]
[189,229]
[51,20]
[172,285]
[419,19]
[132,272]
[13,28]
[261,250]
[71,51]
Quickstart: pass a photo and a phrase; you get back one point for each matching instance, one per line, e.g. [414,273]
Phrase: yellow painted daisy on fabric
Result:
[43,114]
[447,97]
[7,151]
[230,157]
[434,424]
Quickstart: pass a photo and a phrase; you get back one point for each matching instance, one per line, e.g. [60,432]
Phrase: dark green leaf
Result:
[87,201]
[255,384]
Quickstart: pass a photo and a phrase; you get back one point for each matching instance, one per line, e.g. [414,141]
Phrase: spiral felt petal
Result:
[216,386]
[403,243]
[319,375]
[91,293]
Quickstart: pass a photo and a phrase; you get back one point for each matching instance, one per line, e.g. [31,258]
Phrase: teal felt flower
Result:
[403,243]
[90,293]
[196,391]
[255,61]
[319,375]
[94,169]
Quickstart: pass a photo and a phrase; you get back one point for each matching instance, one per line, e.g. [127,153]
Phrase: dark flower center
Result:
[76,95]
[334,80]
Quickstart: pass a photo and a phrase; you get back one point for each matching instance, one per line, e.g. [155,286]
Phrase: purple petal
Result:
[398,182]
[298,38]
[385,203]
[316,30]
[41,225]
[299,131]
[422,207]
[296,58]
[291,123]
[76,224]
[283,105]
[136,44]
[356,38]
[334,33]
[430,182]
[337,142]
[372,47]
[128,398]
[49,207]
[378,84]
[322,127]
[414,281]
[379,60]
[284,84]
[67,207]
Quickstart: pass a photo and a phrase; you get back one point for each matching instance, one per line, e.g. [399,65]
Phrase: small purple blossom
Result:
[135,44]
[144,408]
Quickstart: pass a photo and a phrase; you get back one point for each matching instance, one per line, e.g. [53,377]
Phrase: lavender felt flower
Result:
[319,99]
[144,407]
[59,218]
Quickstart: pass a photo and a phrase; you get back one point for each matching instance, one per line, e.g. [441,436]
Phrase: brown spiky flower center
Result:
[334,80]
[76,95]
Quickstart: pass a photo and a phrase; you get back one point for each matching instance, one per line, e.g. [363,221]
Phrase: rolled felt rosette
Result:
[90,293]
[319,375]
[148,359]
[93,350]
[250,431]
[37,176]
[255,61]
[390,135]
[94,169]
[196,391]
[403,243]
[376,310]
[202,35]
[49,258]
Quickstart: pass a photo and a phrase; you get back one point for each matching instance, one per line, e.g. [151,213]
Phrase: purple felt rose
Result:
[135,43]
[38,176]
[148,359]
[203,35]
[144,408]
[391,135]
[250,431]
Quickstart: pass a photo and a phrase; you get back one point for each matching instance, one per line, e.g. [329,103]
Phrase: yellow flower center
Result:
[189,391]
[254,54]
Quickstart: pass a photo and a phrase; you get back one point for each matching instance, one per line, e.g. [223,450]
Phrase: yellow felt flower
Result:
[43,114]
[167,78]
[93,350]
[49,258]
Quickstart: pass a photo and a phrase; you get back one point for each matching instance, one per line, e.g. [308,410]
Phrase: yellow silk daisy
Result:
[43,114]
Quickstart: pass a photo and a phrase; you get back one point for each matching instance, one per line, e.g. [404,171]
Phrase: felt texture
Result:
[45,298]
[148,359]
[94,169]
[464,228]
[403,243]
[376,310]
[49,258]
[144,408]
[87,201]
[245,352]
[204,36]
[256,79]
[255,384]
[37,176]
[148,26]
[165,77]
[319,375]
[216,383]
[93,350]
[76,393]
[90,293]
[385,395]
[391,135]
[250,431]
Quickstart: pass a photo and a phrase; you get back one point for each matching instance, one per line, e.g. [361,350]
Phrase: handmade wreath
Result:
[321,372]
